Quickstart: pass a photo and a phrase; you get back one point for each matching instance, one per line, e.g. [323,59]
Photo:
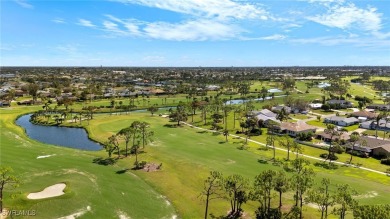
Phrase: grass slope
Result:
[107,193]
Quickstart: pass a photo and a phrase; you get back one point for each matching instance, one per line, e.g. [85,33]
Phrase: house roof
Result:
[364,113]
[296,126]
[339,102]
[371,142]
[339,119]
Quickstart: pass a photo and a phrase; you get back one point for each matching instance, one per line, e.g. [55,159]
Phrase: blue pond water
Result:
[241,101]
[61,136]
[274,90]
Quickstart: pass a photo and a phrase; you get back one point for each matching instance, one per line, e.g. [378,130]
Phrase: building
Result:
[328,138]
[340,103]
[294,128]
[341,121]
[365,114]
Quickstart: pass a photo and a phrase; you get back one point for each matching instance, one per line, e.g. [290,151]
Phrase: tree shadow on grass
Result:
[262,161]
[201,132]
[121,171]
[263,149]
[104,161]
[326,165]
[222,142]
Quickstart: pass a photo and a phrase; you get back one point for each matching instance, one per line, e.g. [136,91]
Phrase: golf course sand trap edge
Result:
[48,192]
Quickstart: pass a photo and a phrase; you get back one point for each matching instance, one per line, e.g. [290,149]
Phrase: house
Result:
[264,117]
[366,125]
[328,138]
[315,105]
[384,125]
[4,103]
[374,146]
[294,128]
[382,107]
[365,114]
[341,121]
[340,103]
[279,108]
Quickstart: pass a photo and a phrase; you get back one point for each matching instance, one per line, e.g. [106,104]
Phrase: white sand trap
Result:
[48,192]
[45,156]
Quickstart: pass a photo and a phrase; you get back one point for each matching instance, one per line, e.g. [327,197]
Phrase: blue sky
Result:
[194,32]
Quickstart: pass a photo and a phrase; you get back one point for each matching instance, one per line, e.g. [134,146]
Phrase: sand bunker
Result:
[48,192]
[45,156]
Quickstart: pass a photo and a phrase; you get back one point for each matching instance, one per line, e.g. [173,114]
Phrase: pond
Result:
[61,136]
[241,101]
[274,90]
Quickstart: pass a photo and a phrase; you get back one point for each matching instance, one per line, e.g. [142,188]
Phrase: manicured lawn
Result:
[352,127]
[105,192]
[317,123]
[380,133]
[299,116]
[322,112]
[186,154]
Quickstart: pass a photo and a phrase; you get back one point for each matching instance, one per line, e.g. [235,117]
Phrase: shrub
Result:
[255,132]
[331,157]
[337,149]
[386,161]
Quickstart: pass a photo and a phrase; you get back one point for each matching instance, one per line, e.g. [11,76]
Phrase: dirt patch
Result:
[122,215]
[152,167]
[49,192]
[370,194]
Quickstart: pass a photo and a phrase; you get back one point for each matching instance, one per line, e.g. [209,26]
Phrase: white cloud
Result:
[196,30]
[271,37]
[274,37]
[353,40]
[350,17]
[190,30]
[59,21]
[24,4]
[85,23]
[221,9]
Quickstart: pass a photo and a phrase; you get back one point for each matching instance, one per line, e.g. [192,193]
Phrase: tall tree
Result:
[126,134]
[271,142]
[281,185]
[263,186]
[145,132]
[322,198]
[212,189]
[344,198]
[236,188]
[287,142]
[302,181]
[6,179]
[333,134]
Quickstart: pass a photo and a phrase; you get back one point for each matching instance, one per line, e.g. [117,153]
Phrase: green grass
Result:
[88,184]
[187,155]
[317,123]
[380,133]
[352,127]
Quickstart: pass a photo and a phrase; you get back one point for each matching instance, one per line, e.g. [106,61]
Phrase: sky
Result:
[192,33]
